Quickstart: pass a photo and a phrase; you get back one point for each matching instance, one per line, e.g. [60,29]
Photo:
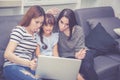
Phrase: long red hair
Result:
[34,12]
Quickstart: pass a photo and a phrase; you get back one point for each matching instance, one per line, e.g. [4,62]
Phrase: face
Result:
[63,24]
[47,29]
[35,24]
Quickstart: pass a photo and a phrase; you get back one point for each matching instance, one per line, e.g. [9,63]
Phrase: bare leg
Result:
[79,77]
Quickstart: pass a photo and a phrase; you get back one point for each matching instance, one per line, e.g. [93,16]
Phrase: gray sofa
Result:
[106,66]
[6,24]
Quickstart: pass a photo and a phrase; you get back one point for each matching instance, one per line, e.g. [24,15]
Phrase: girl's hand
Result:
[32,64]
[81,54]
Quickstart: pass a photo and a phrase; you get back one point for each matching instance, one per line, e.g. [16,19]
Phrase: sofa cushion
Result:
[117,31]
[6,30]
[109,23]
[1,63]
[115,57]
[106,67]
[100,40]
[6,25]
[118,40]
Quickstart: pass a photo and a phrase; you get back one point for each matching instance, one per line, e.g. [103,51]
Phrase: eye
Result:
[61,22]
[37,22]
[66,24]
[51,25]
[41,22]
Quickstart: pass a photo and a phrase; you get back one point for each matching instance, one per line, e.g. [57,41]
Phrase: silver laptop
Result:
[56,68]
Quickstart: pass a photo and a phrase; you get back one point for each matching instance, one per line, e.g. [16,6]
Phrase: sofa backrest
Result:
[82,15]
[6,25]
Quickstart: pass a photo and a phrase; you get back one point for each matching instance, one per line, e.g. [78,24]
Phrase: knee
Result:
[87,65]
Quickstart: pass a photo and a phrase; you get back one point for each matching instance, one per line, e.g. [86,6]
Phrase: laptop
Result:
[57,68]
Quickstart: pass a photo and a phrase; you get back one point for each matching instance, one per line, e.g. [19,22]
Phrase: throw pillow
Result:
[117,31]
[109,23]
[99,39]
[118,40]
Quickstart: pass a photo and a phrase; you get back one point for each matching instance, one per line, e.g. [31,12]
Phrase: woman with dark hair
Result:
[19,63]
[47,40]
[71,44]
[71,38]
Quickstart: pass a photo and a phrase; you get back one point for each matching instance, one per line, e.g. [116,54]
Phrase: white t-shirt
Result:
[26,44]
[50,42]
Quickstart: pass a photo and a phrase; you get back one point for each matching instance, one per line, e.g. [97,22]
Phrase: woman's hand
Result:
[32,64]
[81,54]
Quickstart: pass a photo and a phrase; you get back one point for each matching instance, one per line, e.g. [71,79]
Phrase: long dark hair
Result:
[68,13]
[34,12]
[49,20]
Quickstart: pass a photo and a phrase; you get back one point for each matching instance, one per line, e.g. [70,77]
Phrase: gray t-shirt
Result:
[67,48]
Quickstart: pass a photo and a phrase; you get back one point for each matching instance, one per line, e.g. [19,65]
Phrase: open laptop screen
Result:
[57,68]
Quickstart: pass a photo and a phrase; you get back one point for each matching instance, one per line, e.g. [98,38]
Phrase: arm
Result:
[16,59]
[15,38]
[9,54]
[80,54]
[55,50]
[37,52]
[80,48]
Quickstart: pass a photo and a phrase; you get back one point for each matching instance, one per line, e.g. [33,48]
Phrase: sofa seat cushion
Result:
[106,67]
[119,73]
[109,23]
[1,64]
[114,57]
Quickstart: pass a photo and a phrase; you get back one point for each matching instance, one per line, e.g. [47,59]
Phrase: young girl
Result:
[47,40]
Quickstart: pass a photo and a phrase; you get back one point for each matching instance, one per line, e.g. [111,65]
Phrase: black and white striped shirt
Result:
[26,44]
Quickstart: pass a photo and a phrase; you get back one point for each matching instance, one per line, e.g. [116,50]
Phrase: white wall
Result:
[95,3]
[18,10]
[80,4]
[114,3]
